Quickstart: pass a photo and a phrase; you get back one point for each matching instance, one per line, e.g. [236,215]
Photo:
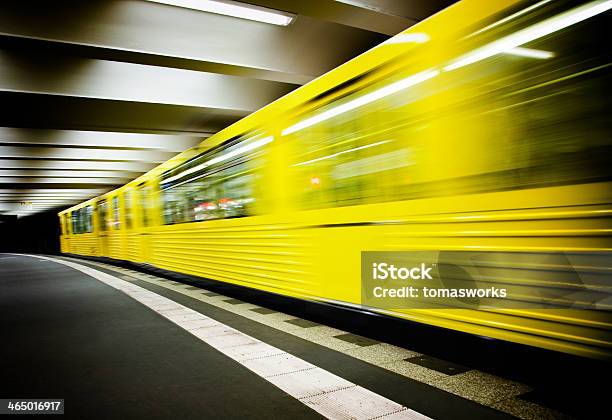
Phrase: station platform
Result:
[116,343]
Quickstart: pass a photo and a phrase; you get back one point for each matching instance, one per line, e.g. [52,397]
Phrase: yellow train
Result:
[485,128]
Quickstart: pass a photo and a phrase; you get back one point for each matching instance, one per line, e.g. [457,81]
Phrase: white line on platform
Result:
[324,392]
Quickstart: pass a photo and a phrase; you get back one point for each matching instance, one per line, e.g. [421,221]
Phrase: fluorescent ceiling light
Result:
[367,146]
[532,33]
[530,52]
[415,79]
[234,9]
[244,149]
[414,37]
[363,5]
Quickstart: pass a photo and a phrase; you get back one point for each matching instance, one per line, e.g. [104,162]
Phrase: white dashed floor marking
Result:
[324,392]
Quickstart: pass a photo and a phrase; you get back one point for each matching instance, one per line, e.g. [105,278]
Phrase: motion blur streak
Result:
[409,81]
[534,32]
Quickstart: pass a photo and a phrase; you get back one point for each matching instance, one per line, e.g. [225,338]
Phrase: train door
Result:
[66,218]
[131,241]
[142,199]
[102,210]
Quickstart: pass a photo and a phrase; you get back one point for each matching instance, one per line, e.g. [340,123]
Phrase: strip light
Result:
[244,149]
[400,85]
[530,52]
[532,33]
[512,16]
[367,146]
[413,37]
[234,9]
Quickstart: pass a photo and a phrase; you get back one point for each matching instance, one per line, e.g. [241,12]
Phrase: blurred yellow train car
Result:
[485,128]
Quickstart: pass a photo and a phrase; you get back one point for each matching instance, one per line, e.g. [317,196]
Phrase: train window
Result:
[127,205]
[82,220]
[87,219]
[75,222]
[471,121]
[70,221]
[143,202]
[355,159]
[115,222]
[218,184]
[102,214]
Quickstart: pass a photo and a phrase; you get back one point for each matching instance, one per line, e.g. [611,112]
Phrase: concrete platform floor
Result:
[108,344]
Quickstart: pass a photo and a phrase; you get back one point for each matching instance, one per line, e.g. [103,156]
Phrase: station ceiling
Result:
[96,93]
